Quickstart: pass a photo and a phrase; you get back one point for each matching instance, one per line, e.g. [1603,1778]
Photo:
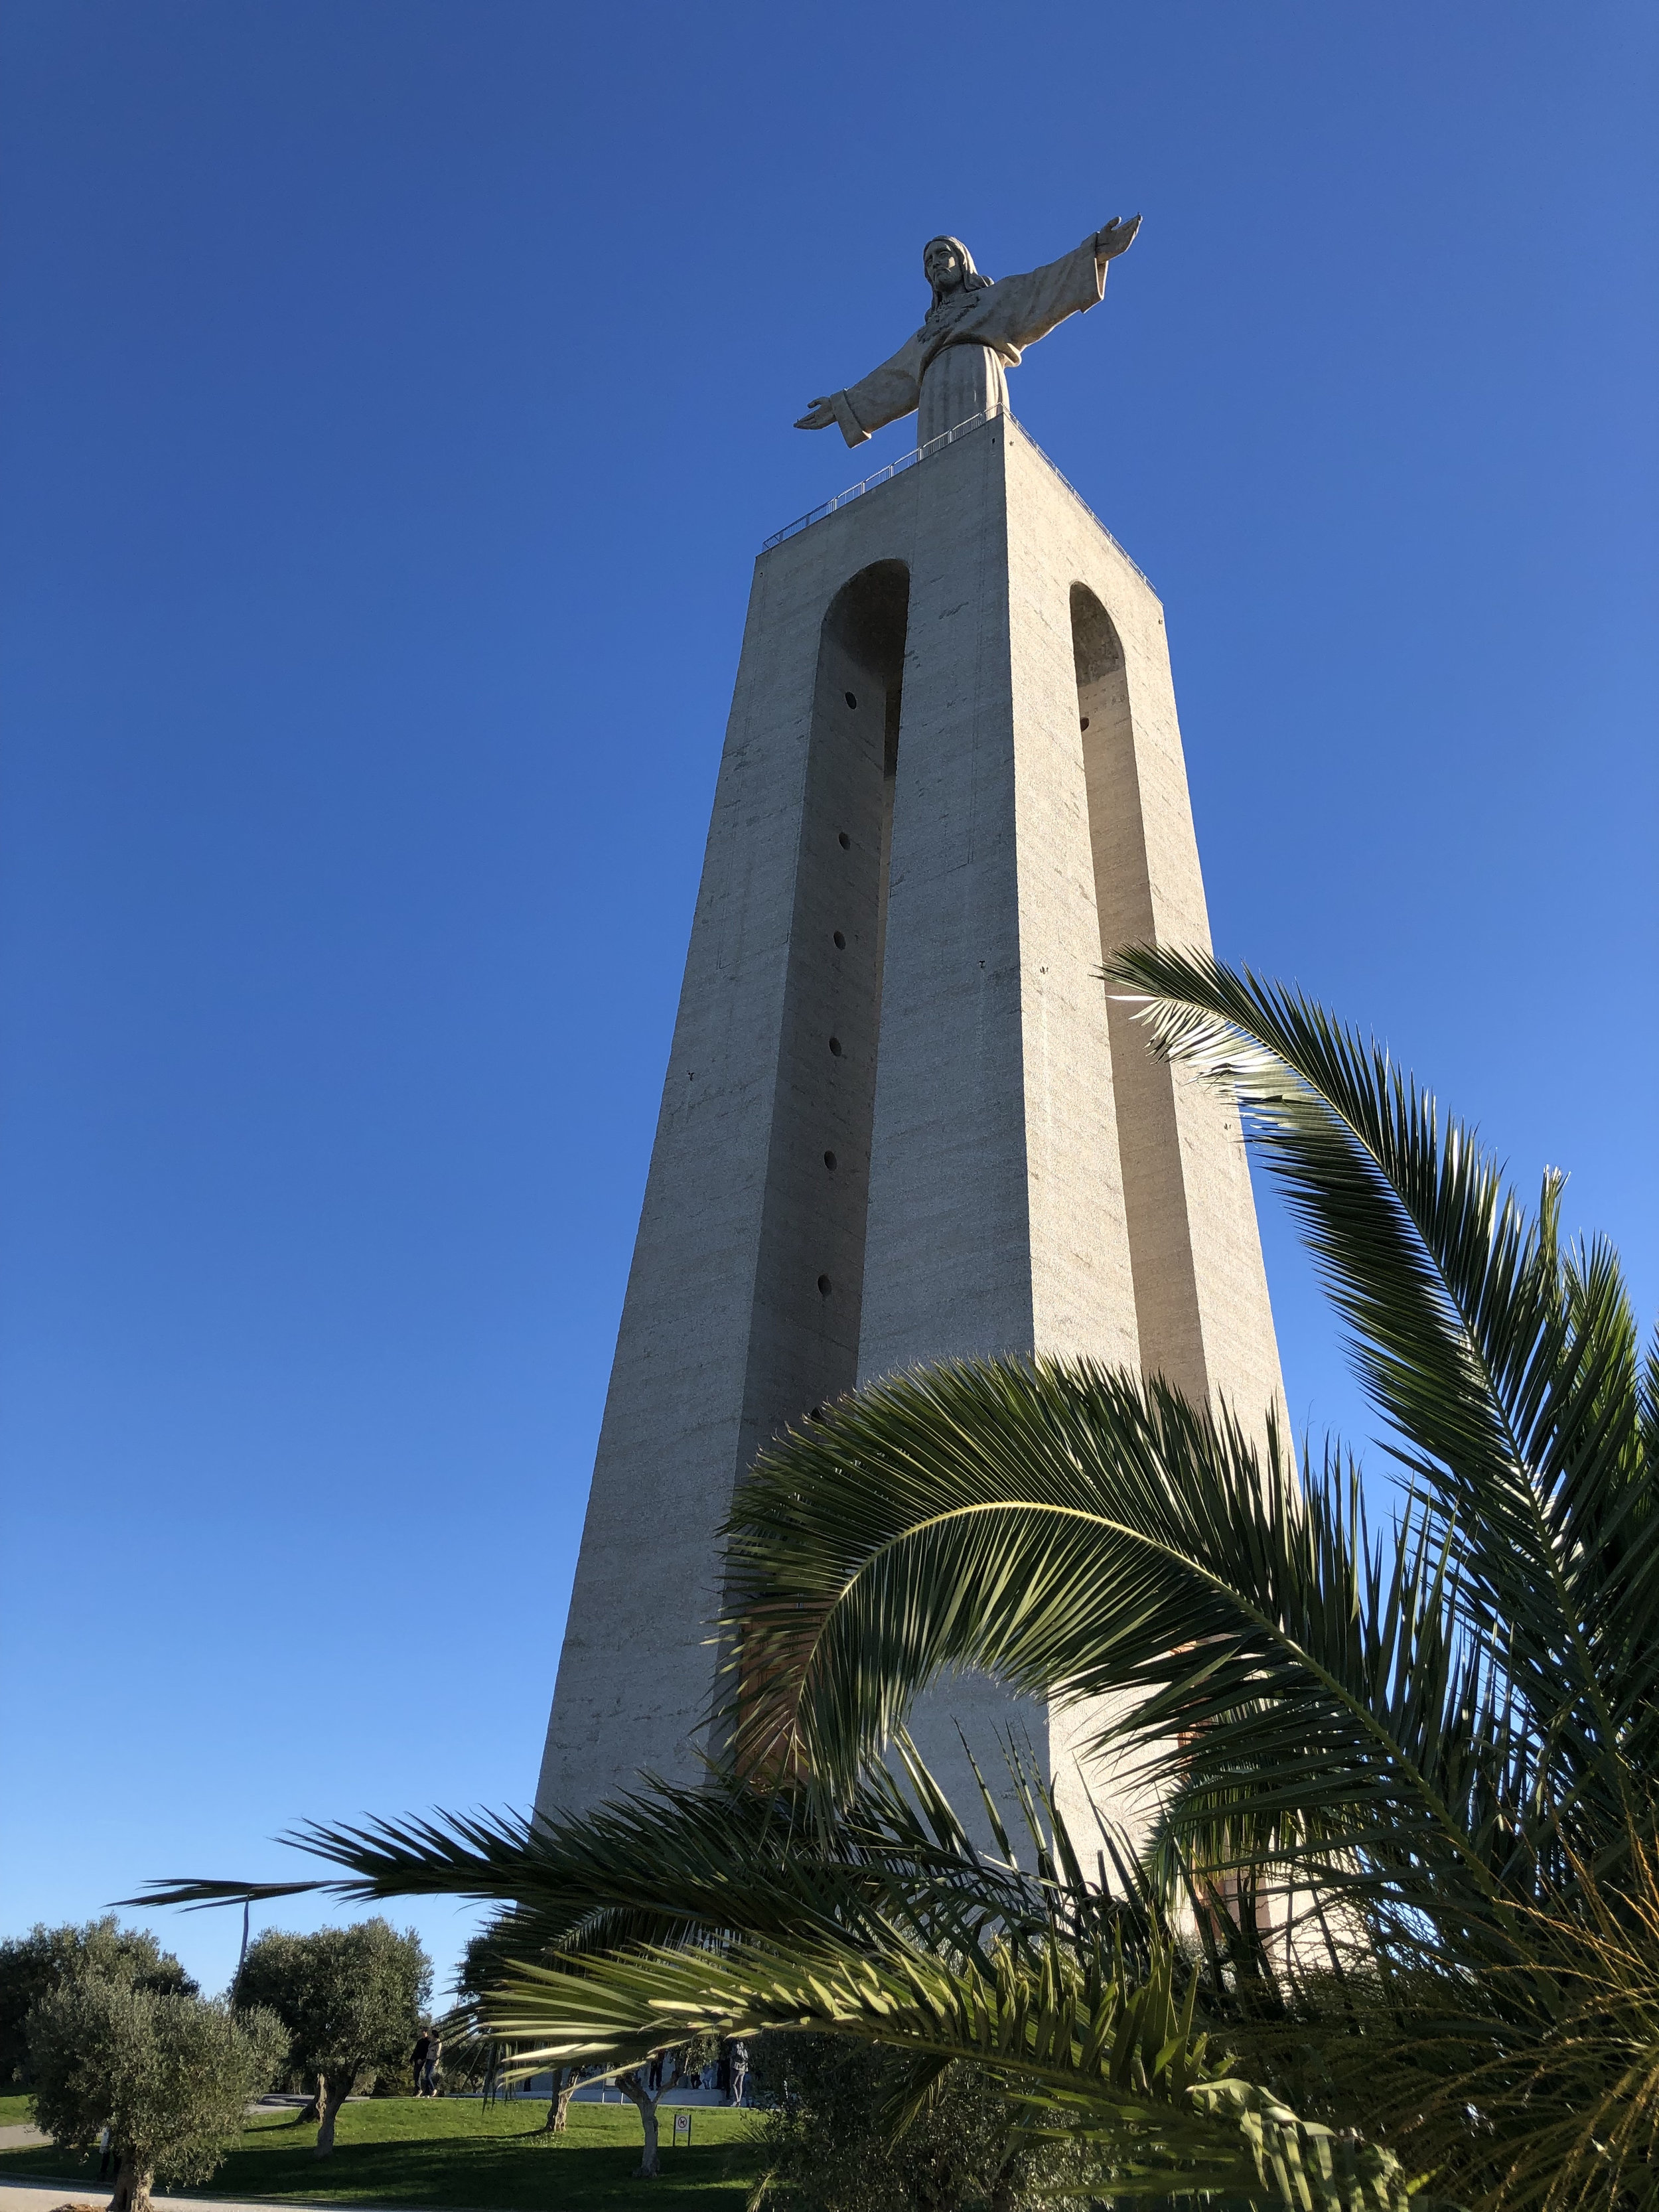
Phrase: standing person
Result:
[423,2045]
[739,2071]
[435,2052]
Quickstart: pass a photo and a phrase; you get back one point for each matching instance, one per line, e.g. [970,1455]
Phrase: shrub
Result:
[829,2146]
[170,2076]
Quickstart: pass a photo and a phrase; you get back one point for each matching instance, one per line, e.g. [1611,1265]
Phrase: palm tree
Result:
[1434,1741]
[1442,1733]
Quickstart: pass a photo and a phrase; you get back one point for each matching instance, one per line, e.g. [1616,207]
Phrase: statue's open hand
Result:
[821,415]
[1116,237]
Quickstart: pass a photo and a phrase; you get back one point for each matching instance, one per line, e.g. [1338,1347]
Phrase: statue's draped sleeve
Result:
[1017,311]
[1006,316]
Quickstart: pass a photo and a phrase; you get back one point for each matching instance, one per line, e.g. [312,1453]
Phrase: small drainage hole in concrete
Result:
[829,1159]
[823,1286]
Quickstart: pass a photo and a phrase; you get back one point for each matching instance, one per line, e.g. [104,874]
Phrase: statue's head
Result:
[949,267]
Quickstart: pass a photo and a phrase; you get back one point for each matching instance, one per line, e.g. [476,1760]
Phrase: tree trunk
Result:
[633,2087]
[564,2088]
[133,2186]
[332,2090]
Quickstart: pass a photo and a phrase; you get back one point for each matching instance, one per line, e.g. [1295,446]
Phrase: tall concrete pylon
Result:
[902,1118]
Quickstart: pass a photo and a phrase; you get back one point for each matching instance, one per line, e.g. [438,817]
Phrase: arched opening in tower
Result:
[1155,1196]
[803,1341]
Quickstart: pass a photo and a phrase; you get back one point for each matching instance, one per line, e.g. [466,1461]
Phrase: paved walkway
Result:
[23,2136]
[45,2196]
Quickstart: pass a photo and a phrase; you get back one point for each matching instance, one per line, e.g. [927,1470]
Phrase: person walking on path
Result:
[435,2052]
[423,2045]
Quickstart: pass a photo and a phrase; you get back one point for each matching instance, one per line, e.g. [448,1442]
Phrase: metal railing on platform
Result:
[868,483]
[933,445]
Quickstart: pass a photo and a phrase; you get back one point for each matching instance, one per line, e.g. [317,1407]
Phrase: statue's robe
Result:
[953,367]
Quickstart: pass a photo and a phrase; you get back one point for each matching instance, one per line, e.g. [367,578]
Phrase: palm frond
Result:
[1120,2061]
[1293,1684]
[1560,2071]
[1509,1379]
[670,1865]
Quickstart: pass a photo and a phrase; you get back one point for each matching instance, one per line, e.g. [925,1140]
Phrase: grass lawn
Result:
[442,2152]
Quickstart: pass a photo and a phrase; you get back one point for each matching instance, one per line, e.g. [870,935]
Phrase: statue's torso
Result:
[960,382]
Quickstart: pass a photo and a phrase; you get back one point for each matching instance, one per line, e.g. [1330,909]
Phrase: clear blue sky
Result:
[396,397]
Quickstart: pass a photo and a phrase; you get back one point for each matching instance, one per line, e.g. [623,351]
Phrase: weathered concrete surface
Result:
[1011,1170]
[725,1333]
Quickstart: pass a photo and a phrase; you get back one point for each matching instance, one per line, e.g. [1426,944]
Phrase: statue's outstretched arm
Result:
[882,397]
[1116,237]
[1020,310]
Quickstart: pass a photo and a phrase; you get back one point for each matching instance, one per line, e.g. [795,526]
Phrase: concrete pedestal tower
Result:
[902,1119]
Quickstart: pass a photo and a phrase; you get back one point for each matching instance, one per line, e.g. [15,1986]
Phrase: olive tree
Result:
[46,1959]
[168,2074]
[349,1999]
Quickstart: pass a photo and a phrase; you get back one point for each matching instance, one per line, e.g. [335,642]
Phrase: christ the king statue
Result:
[953,369]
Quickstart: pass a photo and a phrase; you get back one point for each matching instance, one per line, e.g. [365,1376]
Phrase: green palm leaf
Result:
[1080,1533]
[1068,2033]
[666,1866]
[1507,1375]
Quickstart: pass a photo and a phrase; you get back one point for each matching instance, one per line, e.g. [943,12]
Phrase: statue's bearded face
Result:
[942,266]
